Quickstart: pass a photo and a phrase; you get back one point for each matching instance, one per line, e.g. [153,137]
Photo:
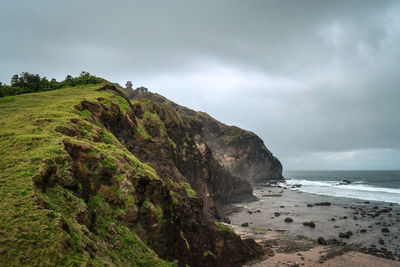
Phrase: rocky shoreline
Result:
[311,230]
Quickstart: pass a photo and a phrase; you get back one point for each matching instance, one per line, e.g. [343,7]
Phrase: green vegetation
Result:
[172,143]
[208,254]
[31,83]
[184,239]
[189,191]
[39,226]
[123,104]
[170,182]
[155,209]
[223,227]
[151,116]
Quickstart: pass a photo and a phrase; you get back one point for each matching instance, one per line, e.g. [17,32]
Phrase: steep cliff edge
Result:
[90,179]
[241,152]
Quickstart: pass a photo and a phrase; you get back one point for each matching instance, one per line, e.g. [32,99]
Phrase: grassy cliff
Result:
[39,224]
[88,178]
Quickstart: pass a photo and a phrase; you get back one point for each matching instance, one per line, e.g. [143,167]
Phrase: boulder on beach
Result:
[322,241]
[309,224]
[323,204]
[346,235]
[288,220]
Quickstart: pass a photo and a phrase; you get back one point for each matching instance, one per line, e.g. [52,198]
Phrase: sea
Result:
[364,185]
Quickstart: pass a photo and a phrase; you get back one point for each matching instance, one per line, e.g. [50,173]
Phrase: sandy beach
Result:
[314,230]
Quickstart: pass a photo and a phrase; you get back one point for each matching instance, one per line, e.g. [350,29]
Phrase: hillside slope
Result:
[90,179]
[241,152]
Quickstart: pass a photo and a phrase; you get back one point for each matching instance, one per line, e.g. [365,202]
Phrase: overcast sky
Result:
[318,81]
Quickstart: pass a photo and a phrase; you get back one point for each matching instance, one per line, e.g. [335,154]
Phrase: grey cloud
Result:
[309,77]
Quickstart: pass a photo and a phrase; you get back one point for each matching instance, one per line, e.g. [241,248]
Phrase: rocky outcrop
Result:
[90,178]
[241,152]
[156,176]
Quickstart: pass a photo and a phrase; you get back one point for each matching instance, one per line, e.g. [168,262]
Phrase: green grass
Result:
[189,191]
[223,227]
[151,116]
[34,235]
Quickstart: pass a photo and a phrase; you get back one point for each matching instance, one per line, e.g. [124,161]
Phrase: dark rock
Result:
[385,230]
[323,204]
[310,205]
[345,182]
[288,220]
[246,224]
[363,230]
[282,207]
[226,220]
[346,235]
[382,253]
[309,224]
[336,242]
[277,214]
[322,241]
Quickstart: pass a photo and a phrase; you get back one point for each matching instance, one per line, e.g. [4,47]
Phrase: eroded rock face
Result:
[241,152]
[171,210]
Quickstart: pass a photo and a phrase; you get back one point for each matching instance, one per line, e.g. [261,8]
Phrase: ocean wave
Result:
[354,190]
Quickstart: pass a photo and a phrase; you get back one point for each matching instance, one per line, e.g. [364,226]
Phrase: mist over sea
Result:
[365,185]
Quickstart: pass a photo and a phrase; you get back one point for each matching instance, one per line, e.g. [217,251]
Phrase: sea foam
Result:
[356,190]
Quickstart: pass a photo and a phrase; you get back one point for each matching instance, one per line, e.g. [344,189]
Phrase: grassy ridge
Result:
[31,234]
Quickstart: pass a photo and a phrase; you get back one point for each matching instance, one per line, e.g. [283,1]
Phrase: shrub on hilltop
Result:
[31,83]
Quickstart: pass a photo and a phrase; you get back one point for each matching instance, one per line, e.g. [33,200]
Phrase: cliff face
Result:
[91,178]
[241,152]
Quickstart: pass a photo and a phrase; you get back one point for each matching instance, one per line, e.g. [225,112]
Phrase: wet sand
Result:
[348,228]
